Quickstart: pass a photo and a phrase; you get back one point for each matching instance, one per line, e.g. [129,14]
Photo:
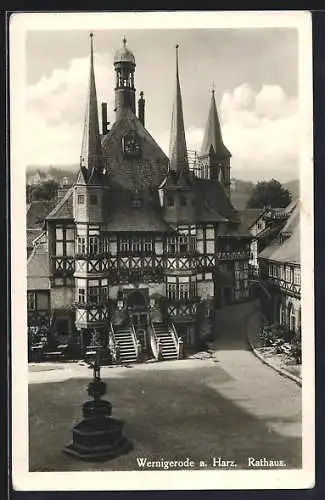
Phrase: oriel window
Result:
[81,245]
[81,296]
[93,245]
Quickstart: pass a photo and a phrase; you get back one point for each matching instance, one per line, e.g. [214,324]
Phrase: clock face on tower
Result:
[131,145]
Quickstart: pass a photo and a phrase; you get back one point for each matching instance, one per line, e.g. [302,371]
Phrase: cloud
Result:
[260,127]
[55,110]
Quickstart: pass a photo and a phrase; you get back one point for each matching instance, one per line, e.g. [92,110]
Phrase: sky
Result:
[254,73]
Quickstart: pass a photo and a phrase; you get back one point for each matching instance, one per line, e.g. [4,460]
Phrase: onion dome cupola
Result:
[124,64]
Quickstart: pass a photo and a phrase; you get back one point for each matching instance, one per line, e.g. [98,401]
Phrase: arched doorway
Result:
[136,299]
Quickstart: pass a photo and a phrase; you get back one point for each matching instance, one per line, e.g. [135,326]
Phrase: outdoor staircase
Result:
[125,339]
[168,343]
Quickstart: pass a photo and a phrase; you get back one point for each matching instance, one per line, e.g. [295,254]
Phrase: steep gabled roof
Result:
[64,209]
[285,247]
[249,216]
[36,213]
[213,193]
[147,170]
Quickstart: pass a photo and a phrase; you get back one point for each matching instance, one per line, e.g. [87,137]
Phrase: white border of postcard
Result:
[20,23]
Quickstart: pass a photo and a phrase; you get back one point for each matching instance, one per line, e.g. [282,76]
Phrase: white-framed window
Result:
[172,244]
[171,290]
[93,245]
[64,241]
[105,244]
[147,244]
[297,276]
[183,243]
[93,294]
[184,290]
[81,245]
[124,244]
[81,295]
[136,245]
[288,274]
[81,199]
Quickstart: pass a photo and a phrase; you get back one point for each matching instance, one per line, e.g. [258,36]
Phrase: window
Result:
[81,199]
[171,290]
[105,244]
[183,201]
[297,275]
[31,300]
[93,199]
[124,244]
[288,274]
[147,245]
[184,290]
[81,245]
[64,241]
[171,245]
[81,295]
[93,245]
[183,243]
[94,295]
[136,245]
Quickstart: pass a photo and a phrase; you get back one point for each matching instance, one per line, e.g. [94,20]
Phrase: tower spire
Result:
[177,148]
[91,157]
[212,135]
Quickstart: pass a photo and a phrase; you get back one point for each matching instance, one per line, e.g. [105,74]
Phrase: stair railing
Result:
[135,343]
[153,341]
[112,342]
[173,332]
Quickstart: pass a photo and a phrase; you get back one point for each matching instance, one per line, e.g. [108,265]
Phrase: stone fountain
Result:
[98,436]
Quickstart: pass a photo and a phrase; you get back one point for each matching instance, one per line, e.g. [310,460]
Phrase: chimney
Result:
[141,106]
[105,123]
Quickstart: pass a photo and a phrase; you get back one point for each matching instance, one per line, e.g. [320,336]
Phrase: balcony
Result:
[285,286]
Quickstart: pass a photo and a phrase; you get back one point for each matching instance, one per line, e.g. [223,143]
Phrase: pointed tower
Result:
[124,64]
[88,190]
[214,156]
[91,151]
[179,186]
[177,147]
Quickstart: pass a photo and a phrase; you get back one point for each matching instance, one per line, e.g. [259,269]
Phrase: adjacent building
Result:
[279,264]
[140,248]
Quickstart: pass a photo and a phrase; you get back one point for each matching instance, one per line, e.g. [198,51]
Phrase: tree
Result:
[269,194]
[46,190]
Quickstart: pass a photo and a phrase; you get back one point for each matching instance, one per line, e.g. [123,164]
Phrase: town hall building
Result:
[141,249]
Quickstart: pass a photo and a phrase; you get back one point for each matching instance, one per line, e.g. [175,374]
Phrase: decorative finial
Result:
[212,88]
[91,35]
[124,41]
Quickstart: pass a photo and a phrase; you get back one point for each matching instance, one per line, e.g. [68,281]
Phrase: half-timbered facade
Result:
[141,248]
[280,271]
